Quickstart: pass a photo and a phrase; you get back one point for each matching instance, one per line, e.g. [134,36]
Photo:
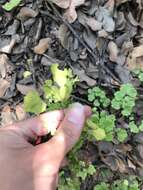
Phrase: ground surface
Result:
[101,41]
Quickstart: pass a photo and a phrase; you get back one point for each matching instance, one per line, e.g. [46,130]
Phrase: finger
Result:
[38,126]
[67,134]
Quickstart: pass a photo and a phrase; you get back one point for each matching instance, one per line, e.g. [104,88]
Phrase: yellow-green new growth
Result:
[60,88]
[33,103]
[10,5]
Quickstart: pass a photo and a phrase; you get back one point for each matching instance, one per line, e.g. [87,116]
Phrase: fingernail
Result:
[76,114]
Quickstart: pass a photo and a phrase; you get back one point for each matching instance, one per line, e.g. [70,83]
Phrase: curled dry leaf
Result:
[71,14]
[42,46]
[24,89]
[26,12]
[4,85]
[135,58]
[7,116]
[3,63]
[94,24]
[113,51]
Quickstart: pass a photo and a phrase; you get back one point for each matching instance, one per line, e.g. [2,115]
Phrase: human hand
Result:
[27,167]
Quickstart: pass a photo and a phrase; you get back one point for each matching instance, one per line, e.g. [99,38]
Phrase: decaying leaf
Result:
[71,14]
[42,46]
[4,85]
[113,51]
[63,35]
[7,116]
[26,12]
[107,20]
[8,47]
[62,3]
[132,19]
[94,24]
[20,112]
[24,89]
[121,165]
[135,58]
[84,78]
[3,65]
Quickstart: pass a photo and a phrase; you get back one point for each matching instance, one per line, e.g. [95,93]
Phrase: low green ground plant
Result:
[124,99]
[125,184]
[102,125]
[139,74]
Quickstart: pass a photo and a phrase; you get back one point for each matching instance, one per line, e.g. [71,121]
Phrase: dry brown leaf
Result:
[8,48]
[135,58]
[24,89]
[63,34]
[26,12]
[121,165]
[113,51]
[62,3]
[7,116]
[20,112]
[3,63]
[4,85]
[42,46]
[131,165]
[110,5]
[103,34]
[137,51]
[94,24]
[84,78]
[71,14]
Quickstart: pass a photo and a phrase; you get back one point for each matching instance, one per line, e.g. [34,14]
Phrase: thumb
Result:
[68,132]
[71,127]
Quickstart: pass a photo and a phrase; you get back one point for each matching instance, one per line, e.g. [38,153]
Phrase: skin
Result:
[27,167]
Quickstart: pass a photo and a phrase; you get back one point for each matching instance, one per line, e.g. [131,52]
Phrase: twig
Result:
[50,15]
[81,100]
